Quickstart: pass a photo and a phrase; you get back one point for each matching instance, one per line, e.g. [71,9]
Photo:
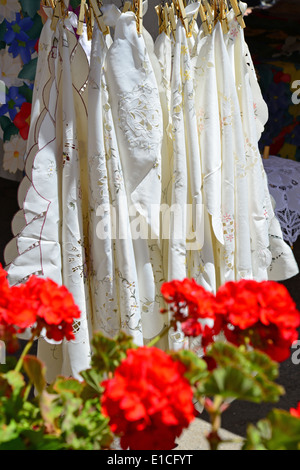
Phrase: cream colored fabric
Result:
[142,166]
[50,229]
[272,258]
[137,115]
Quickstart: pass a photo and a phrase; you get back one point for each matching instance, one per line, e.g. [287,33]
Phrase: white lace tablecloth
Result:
[284,185]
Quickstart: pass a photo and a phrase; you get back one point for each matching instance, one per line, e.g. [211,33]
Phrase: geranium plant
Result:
[142,395]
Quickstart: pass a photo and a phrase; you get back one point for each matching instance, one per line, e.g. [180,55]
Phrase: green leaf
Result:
[108,353]
[241,374]
[5,122]
[8,127]
[50,411]
[83,425]
[35,31]
[196,368]
[10,438]
[30,6]
[38,440]
[279,431]
[9,132]
[16,381]
[254,440]
[36,372]
[93,379]
[2,31]
[27,92]
[67,386]
[29,70]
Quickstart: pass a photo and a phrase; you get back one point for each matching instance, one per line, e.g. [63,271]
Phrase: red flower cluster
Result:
[148,400]
[260,313]
[190,303]
[295,411]
[40,304]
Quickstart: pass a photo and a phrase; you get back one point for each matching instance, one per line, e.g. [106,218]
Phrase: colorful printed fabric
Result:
[20,29]
[275,47]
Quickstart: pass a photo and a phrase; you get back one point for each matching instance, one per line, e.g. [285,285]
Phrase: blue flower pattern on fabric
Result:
[14,101]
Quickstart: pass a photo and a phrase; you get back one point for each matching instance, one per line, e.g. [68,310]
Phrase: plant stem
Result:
[27,391]
[158,337]
[24,352]
[215,419]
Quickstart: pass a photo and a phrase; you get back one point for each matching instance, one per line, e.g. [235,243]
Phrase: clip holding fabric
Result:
[167,20]
[209,13]
[81,16]
[206,26]
[182,15]
[171,15]
[223,17]
[98,15]
[57,14]
[192,22]
[89,15]
[158,10]
[163,19]
[127,7]
[238,13]
[49,3]
[138,8]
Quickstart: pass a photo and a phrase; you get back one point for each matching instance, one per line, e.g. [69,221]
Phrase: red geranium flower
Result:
[39,304]
[188,293]
[295,411]
[190,303]
[22,120]
[55,307]
[239,301]
[277,306]
[148,400]
[261,312]
[4,289]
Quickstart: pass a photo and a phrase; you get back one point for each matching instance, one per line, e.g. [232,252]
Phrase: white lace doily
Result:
[284,185]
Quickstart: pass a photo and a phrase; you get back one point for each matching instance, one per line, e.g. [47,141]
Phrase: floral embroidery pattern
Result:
[201,117]
[229,240]
[202,69]
[140,117]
